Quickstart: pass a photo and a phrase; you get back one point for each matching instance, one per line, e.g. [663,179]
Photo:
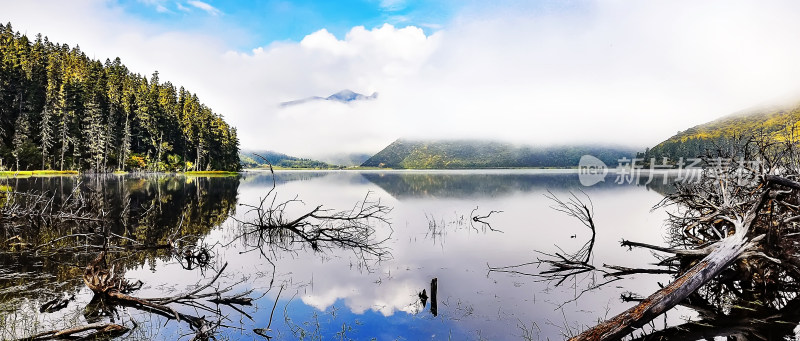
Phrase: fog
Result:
[611,72]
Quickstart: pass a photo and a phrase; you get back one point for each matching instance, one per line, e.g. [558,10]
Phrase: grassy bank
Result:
[211,173]
[16,174]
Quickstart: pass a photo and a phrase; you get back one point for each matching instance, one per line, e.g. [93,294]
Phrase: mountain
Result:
[344,96]
[345,159]
[349,96]
[459,154]
[405,185]
[705,139]
[253,159]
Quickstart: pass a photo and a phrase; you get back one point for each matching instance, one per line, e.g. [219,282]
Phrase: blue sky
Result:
[257,22]
[534,72]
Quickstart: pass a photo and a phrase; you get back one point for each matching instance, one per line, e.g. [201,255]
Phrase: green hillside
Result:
[460,154]
[63,110]
[777,123]
[253,159]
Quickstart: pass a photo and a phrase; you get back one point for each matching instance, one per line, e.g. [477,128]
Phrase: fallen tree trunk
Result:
[758,324]
[725,252]
[99,331]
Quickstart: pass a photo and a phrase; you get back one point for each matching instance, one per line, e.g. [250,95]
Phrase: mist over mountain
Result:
[460,154]
[345,159]
[344,96]
[263,158]
[776,121]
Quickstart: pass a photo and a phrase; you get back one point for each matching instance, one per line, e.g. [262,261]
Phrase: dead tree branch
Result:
[268,226]
[564,265]
[99,331]
[474,218]
[109,283]
[733,228]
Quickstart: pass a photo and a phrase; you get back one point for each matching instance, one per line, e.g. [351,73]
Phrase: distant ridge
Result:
[252,159]
[774,121]
[461,154]
[345,159]
[344,96]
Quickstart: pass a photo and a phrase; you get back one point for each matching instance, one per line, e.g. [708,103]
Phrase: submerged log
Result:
[724,253]
[107,283]
[98,331]
[434,289]
[759,323]
[98,277]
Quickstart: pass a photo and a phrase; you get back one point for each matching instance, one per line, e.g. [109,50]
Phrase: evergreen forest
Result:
[61,110]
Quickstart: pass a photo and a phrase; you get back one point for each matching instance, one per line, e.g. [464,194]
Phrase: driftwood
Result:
[434,293]
[724,253]
[736,227]
[760,323]
[63,227]
[475,218]
[319,228]
[269,229]
[107,283]
[98,331]
[564,265]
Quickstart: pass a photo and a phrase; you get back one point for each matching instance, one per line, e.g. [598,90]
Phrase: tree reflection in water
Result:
[151,219]
[54,226]
[118,223]
[269,228]
[734,236]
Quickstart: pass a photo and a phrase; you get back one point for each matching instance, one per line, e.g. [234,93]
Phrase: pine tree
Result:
[125,148]
[20,138]
[78,113]
[95,133]
[65,137]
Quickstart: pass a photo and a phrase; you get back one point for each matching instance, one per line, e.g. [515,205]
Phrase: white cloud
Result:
[182,7]
[611,72]
[157,4]
[204,6]
[152,2]
[364,61]
[393,5]
[621,73]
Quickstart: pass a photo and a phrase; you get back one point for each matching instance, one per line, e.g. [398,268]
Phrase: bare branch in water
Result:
[564,265]
[108,283]
[98,331]
[734,243]
[482,219]
[268,227]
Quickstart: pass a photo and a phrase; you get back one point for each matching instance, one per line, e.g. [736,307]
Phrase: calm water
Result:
[331,294]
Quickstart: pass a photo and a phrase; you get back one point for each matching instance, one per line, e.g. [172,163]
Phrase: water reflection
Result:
[137,210]
[470,304]
[480,183]
[331,294]
[265,178]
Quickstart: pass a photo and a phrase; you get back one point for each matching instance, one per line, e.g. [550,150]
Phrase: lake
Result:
[336,292]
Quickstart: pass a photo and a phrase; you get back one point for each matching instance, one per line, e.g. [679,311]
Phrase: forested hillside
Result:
[61,110]
[459,154]
[775,122]
[253,159]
